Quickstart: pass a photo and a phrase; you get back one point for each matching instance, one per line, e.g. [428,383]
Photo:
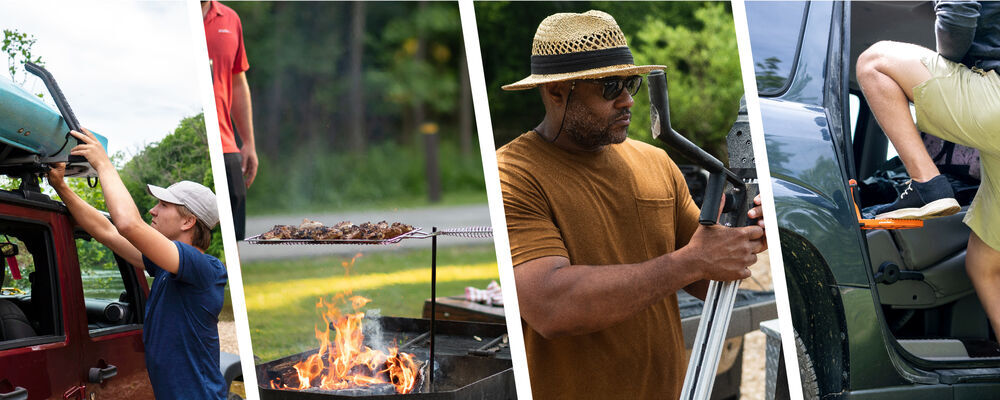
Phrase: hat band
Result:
[580,61]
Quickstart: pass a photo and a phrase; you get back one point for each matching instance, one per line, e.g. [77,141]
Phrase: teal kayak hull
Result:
[28,124]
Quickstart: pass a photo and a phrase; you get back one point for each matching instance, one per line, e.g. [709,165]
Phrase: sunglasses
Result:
[613,86]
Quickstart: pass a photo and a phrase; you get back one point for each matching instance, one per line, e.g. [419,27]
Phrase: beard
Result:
[589,131]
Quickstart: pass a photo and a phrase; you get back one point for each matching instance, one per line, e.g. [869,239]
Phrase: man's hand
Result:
[249,165]
[56,173]
[721,253]
[90,148]
[757,212]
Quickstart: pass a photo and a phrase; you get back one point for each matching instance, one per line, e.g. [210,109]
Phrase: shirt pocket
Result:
[656,218]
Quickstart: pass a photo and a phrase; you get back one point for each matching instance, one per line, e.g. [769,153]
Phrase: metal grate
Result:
[472,232]
[415,233]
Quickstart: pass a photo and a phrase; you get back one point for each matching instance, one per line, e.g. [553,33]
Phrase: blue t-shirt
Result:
[181,331]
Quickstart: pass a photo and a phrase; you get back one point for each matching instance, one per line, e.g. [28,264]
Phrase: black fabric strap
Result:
[573,62]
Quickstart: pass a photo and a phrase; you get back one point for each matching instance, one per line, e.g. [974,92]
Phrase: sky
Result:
[128,69]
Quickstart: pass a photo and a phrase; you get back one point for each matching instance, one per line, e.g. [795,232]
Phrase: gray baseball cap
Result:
[195,196]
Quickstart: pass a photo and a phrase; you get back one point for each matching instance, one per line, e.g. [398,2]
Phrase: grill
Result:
[464,360]
[473,232]
[472,362]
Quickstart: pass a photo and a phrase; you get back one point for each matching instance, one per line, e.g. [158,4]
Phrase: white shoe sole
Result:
[934,209]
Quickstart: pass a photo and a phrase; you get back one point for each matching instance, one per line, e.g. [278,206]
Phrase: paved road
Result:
[442,217]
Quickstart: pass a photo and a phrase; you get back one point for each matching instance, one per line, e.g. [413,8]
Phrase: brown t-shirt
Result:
[625,204]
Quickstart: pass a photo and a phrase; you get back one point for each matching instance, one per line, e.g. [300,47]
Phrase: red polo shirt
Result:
[224,35]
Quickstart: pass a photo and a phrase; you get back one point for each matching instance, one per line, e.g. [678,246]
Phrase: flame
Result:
[345,362]
[348,264]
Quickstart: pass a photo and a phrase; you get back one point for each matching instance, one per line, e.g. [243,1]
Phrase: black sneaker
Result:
[930,199]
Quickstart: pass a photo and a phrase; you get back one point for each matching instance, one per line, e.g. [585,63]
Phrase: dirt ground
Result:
[227,337]
[752,386]
[754,343]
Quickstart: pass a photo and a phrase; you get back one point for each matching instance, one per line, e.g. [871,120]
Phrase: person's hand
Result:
[758,214]
[721,253]
[56,173]
[249,164]
[90,148]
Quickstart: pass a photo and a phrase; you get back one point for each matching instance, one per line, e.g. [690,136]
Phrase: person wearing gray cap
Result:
[180,331]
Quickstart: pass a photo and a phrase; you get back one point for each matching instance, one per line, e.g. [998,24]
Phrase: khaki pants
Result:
[963,106]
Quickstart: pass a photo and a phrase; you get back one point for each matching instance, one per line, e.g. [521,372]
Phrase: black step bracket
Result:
[889,273]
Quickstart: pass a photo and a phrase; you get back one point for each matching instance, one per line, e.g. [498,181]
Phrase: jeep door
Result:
[114,296]
[41,359]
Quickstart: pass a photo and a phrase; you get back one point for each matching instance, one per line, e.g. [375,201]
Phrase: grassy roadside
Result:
[281,295]
[453,198]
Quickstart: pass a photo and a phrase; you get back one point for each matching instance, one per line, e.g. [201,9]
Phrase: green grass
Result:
[281,295]
[454,198]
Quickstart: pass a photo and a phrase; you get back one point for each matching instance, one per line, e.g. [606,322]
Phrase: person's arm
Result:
[558,299]
[242,114]
[700,289]
[955,27]
[127,220]
[91,220]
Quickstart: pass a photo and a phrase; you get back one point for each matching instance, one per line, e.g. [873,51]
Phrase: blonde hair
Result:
[202,233]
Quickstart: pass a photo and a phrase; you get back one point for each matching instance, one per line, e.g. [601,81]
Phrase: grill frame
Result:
[495,383]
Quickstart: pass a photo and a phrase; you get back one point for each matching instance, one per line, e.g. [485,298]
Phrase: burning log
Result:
[345,362]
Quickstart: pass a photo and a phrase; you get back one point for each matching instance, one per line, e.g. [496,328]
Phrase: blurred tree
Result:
[703,77]
[356,126]
[181,155]
[313,89]
[17,46]
[691,38]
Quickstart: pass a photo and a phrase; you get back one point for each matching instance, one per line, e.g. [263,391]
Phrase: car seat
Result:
[13,323]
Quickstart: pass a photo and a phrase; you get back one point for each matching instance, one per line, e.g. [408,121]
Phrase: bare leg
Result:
[982,263]
[887,73]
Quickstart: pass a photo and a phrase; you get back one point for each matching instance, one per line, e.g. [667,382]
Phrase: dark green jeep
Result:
[877,313]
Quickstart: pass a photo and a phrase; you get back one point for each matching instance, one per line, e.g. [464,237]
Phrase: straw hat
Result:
[570,46]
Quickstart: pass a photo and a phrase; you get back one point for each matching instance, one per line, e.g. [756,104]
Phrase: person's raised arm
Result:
[127,220]
[955,27]
[90,219]
[242,114]
[559,299]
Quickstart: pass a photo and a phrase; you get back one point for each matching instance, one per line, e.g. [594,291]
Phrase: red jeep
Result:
[71,311]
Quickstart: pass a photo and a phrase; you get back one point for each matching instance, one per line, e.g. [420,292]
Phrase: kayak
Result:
[33,127]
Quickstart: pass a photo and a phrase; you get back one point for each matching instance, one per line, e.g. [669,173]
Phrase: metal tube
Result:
[434,247]
[659,112]
[710,205]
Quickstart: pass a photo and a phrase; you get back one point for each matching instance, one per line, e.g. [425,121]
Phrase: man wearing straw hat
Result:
[603,231]
[180,331]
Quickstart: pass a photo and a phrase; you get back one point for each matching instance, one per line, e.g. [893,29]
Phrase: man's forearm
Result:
[579,299]
[120,205]
[242,111]
[89,218]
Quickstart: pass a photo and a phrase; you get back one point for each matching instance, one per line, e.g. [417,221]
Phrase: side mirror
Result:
[8,249]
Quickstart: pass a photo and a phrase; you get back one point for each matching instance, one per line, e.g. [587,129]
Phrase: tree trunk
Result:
[356,118]
[430,137]
[464,105]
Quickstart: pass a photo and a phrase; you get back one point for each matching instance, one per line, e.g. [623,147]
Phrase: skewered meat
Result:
[344,230]
[279,232]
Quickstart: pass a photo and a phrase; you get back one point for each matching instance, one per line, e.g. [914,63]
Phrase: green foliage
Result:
[695,40]
[767,75]
[181,155]
[311,177]
[299,78]
[99,272]
[25,263]
[17,46]
[703,77]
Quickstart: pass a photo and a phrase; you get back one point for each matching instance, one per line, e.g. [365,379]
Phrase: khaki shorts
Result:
[963,106]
